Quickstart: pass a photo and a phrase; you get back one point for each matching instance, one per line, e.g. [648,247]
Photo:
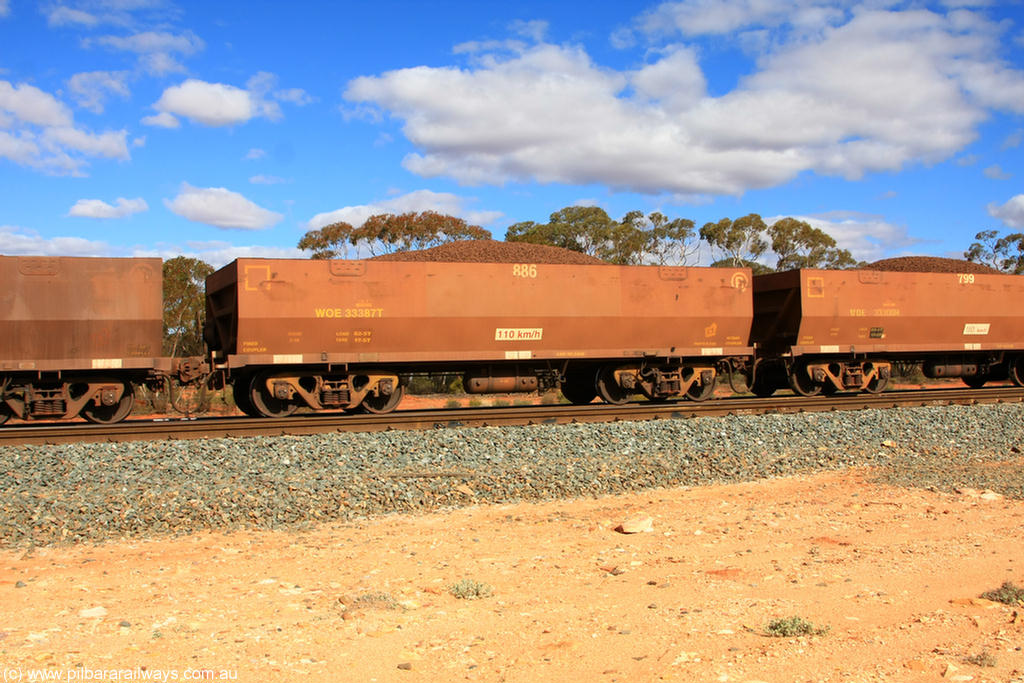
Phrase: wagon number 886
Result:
[524,270]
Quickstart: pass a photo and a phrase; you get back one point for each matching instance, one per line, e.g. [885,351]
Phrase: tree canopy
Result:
[387,233]
[586,229]
[799,245]
[655,238]
[636,239]
[664,241]
[1002,253]
[740,241]
[184,305]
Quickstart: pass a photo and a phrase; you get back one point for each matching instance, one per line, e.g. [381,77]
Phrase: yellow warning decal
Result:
[518,333]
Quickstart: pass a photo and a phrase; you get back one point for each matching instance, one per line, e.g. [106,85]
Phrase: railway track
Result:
[210,427]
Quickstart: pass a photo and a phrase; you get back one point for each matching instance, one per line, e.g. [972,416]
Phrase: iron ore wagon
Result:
[346,334]
[829,330]
[76,334]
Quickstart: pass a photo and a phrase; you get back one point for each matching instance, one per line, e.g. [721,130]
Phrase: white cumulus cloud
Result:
[158,51]
[996,172]
[161,120]
[220,104]
[111,144]
[91,88]
[710,17]
[219,253]
[212,104]
[867,237]
[62,15]
[834,91]
[31,105]
[1011,213]
[97,208]
[417,201]
[41,133]
[220,207]
[20,241]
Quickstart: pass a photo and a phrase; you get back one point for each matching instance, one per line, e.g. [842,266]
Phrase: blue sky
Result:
[226,129]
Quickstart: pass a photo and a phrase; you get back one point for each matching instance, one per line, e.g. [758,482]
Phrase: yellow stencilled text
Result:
[349,312]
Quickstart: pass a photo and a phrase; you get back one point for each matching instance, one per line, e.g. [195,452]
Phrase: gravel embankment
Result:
[96,492]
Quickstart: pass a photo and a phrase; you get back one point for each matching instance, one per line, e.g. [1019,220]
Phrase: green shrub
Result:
[372,600]
[470,589]
[984,658]
[792,627]
[1008,594]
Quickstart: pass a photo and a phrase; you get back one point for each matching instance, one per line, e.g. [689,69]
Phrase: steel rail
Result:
[210,427]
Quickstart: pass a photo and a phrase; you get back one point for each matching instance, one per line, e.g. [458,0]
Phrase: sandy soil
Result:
[893,574]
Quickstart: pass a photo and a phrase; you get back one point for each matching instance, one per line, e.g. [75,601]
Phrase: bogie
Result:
[269,393]
[830,376]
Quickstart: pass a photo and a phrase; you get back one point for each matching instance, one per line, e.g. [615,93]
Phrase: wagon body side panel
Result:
[290,311]
[66,313]
[866,311]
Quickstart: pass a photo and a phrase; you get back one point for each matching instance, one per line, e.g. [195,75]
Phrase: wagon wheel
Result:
[877,385]
[762,386]
[265,403]
[108,415]
[5,412]
[829,389]
[1017,371]
[975,381]
[579,387]
[240,392]
[801,383]
[608,389]
[378,405]
[701,392]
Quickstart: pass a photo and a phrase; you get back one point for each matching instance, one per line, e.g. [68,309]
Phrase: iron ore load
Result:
[78,335]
